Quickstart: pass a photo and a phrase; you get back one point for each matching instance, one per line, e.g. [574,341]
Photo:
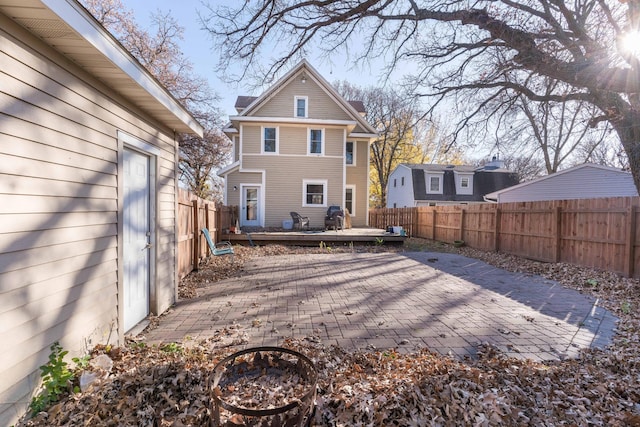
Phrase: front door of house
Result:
[136,236]
[250,215]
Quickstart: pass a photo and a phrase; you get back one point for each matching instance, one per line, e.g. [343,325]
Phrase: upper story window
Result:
[434,183]
[349,155]
[269,140]
[464,182]
[300,106]
[402,180]
[316,141]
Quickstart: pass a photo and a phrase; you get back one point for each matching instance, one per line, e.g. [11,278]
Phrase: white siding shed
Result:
[74,105]
[586,181]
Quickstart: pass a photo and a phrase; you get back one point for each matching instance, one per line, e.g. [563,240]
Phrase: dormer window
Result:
[434,182]
[464,182]
[300,106]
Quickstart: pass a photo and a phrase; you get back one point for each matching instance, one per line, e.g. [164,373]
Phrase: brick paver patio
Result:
[446,302]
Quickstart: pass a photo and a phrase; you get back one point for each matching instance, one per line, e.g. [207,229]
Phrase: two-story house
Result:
[431,184]
[301,147]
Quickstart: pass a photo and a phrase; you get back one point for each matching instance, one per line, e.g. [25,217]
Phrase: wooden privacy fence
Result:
[598,233]
[195,213]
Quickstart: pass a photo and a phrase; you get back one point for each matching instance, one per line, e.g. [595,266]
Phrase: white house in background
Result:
[88,190]
[586,181]
[432,184]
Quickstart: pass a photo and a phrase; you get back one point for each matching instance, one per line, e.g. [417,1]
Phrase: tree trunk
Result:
[628,129]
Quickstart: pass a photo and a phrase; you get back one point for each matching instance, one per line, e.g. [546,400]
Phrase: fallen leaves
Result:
[167,385]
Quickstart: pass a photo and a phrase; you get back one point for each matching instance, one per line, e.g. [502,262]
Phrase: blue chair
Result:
[222,248]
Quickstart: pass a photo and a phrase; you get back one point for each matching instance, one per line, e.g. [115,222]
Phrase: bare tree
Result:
[199,157]
[557,133]
[462,46]
[395,116]
[160,53]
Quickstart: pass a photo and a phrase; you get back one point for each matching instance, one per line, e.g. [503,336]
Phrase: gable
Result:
[320,105]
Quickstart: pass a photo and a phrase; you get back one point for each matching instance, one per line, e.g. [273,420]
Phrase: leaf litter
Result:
[168,385]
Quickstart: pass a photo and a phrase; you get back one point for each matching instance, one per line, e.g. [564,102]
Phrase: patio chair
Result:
[301,221]
[221,248]
[334,218]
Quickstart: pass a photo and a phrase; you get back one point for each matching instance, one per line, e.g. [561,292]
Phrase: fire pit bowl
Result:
[265,387]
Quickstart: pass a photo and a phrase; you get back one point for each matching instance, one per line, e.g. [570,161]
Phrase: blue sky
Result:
[198,48]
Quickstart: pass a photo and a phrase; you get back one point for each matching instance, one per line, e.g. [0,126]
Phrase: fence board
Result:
[600,233]
[193,214]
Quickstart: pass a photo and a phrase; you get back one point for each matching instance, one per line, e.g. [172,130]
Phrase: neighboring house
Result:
[88,183]
[301,147]
[431,185]
[586,181]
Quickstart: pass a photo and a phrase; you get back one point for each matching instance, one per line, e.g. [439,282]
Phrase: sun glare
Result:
[630,43]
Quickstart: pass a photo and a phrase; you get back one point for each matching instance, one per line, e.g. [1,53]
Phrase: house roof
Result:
[246,104]
[626,187]
[69,28]
[431,167]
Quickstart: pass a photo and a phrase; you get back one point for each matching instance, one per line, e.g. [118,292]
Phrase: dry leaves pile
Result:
[167,386]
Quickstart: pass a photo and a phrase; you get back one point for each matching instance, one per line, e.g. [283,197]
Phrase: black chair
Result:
[301,221]
[334,218]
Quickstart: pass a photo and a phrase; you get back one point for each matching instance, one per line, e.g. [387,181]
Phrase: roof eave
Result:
[151,96]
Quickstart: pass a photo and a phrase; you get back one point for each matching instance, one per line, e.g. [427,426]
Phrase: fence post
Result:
[196,236]
[630,254]
[557,221]
[496,233]
[433,224]
[461,224]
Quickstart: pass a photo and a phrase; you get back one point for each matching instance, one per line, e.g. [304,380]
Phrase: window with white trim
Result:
[314,192]
[300,106]
[349,199]
[350,153]
[316,141]
[434,183]
[464,182]
[269,140]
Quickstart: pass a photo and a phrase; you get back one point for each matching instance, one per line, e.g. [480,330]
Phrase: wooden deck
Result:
[356,236]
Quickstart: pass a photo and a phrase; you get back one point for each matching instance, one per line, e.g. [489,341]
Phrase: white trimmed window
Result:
[269,140]
[300,106]
[434,183]
[350,153]
[464,183]
[315,143]
[314,192]
[349,199]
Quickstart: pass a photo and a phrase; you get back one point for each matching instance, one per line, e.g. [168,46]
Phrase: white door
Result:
[137,232]
[250,215]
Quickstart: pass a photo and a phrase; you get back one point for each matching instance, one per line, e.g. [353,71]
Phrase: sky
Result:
[197,47]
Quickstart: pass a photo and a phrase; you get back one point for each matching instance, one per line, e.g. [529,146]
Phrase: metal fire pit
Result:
[233,377]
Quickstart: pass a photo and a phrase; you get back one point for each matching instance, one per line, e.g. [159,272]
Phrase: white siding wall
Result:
[59,189]
[582,183]
[401,195]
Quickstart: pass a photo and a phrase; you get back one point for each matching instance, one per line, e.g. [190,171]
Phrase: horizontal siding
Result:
[583,183]
[293,140]
[59,210]
[320,104]
[357,175]
[284,177]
